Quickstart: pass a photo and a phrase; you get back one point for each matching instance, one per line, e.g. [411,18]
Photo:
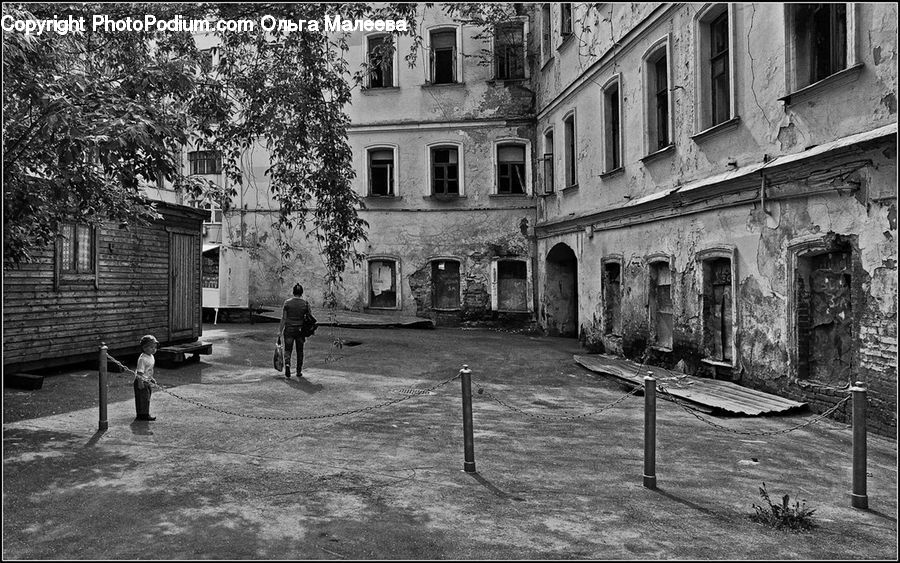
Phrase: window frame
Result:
[705,120]
[650,62]
[566,21]
[546,33]
[395,183]
[63,276]
[523,52]
[495,284]
[851,46]
[608,166]
[549,161]
[398,285]
[525,144]
[607,330]
[708,254]
[459,163]
[395,62]
[570,149]
[655,261]
[457,66]
[194,157]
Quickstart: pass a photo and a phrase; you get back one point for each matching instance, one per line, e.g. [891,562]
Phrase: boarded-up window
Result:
[661,320]
[445,284]
[718,329]
[512,290]
[383,284]
[612,298]
[824,317]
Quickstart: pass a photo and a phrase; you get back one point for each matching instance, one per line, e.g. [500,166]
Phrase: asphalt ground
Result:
[364,458]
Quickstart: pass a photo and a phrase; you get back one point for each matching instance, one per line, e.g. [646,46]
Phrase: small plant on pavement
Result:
[796,517]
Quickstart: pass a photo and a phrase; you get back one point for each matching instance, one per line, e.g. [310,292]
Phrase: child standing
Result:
[143,377]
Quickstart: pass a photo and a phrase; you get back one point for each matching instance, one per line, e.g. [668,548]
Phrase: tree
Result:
[89,117]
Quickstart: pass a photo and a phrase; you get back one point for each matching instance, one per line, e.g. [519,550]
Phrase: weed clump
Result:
[795,518]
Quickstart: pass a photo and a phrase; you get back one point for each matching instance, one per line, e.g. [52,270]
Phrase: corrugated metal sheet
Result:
[710,393]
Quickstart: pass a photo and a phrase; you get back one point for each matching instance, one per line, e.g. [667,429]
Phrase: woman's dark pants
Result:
[291,337]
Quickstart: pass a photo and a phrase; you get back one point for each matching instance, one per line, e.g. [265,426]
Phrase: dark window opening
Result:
[381,172]
[443,57]
[612,298]
[512,285]
[820,32]
[509,52]
[383,284]
[613,128]
[445,284]
[718,329]
[381,62]
[571,175]
[445,171]
[661,308]
[824,318]
[719,71]
[511,169]
[548,162]
[565,21]
[661,101]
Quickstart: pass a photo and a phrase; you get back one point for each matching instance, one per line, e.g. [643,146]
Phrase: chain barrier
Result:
[555,418]
[694,412]
[194,402]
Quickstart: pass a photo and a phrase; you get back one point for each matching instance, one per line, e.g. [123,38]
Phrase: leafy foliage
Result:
[783,516]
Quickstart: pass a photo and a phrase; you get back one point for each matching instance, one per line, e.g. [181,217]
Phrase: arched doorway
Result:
[560,302]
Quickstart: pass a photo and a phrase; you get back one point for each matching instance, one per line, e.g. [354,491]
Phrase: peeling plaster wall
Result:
[815,198]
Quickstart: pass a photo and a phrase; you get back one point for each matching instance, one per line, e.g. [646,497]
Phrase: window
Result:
[445,171]
[205,162]
[546,28]
[713,83]
[443,57]
[718,305]
[820,39]
[565,20]
[512,286]
[381,62]
[511,169]
[215,211]
[381,171]
[612,108]
[445,284]
[76,249]
[656,66]
[569,130]
[612,297]
[383,292]
[548,162]
[509,51]
[660,294]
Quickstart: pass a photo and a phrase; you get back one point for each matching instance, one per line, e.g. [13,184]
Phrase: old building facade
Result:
[705,187]
[721,191]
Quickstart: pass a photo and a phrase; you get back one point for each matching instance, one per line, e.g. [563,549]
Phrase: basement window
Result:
[823,316]
[661,309]
[445,284]
[383,292]
[612,298]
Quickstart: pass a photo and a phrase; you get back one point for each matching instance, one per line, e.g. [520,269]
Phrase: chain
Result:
[692,411]
[389,402]
[559,418]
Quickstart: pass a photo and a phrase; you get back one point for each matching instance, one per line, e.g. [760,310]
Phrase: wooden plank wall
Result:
[44,327]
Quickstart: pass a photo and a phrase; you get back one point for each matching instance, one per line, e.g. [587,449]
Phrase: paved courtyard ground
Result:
[236,467]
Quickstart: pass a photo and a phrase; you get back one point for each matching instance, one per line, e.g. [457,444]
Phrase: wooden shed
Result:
[108,284]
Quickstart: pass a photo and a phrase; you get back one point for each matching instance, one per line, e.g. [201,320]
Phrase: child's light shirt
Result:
[145,365]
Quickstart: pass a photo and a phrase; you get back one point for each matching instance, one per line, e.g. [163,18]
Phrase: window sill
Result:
[375,197]
[612,173]
[546,194]
[444,85]
[571,188]
[443,197]
[567,40]
[380,90]
[517,196]
[382,308]
[505,81]
[839,78]
[716,363]
[658,154]
[716,129]
[451,310]
[546,63]
[660,348]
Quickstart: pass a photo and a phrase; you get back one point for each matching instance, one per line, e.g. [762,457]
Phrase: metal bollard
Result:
[104,424]
[650,431]
[858,498]
[469,465]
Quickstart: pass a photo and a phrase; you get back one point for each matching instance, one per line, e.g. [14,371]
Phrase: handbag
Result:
[278,358]
[310,324]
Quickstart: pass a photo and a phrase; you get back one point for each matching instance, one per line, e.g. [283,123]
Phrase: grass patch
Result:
[795,518]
